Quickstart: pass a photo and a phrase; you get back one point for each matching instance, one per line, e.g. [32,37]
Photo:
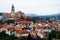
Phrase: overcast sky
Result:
[40,7]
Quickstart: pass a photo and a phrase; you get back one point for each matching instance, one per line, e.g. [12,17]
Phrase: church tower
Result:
[12,11]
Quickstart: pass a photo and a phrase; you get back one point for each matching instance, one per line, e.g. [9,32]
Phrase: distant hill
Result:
[31,15]
[1,14]
[35,16]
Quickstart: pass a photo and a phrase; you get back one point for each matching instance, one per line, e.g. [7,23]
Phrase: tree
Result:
[29,37]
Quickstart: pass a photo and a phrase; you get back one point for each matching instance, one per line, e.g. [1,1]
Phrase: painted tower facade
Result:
[12,11]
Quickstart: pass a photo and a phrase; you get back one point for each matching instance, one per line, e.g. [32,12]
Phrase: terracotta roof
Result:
[37,26]
[3,29]
[54,21]
[26,17]
[11,30]
[46,27]
[25,22]
[42,21]
[8,27]
[22,32]
[41,27]
[21,25]
[17,28]
[43,33]
[19,12]
[9,14]
[1,25]
[51,25]
[34,31]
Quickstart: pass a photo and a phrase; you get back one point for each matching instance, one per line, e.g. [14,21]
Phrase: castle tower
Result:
[12,11]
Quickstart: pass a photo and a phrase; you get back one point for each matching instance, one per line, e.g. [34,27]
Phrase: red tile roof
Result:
[21,25]
[17,28]
[43,33]
[26,17]
[37,26]
[25,22]
[54,21]
[1,25]
[42,21]
[8,27]
[3,29]
[11,30]
[22,32]
[34,31]
[19,12]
